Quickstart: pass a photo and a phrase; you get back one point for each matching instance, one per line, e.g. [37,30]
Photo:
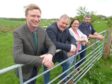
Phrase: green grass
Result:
[101,73]
[6,44]
[6,49]
[7,25]
[9,78]
[100,25]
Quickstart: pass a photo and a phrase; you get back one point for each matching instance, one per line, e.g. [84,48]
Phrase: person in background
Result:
[29,43]
[59,34]
[87,28]
[81,39]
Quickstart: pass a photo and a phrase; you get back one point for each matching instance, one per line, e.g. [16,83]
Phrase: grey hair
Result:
[64,16]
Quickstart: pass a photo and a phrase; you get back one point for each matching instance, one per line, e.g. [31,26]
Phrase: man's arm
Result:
[50,45]
[47,58]
[59,45]
[19,55]
[96,36]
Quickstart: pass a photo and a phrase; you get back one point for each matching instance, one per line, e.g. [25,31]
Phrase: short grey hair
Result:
[64,16]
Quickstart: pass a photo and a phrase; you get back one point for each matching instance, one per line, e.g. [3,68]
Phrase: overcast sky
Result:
[55,8]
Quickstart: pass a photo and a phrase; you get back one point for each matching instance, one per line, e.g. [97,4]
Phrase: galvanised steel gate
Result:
[94,53]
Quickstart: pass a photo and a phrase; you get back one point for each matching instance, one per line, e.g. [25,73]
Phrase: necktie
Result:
[35,39]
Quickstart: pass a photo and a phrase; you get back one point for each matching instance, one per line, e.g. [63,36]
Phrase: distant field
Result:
[7,25]
[101,73]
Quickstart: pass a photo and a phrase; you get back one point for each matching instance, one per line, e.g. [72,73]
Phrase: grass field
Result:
[101,73]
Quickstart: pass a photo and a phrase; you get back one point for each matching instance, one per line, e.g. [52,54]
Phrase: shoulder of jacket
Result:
[20,29]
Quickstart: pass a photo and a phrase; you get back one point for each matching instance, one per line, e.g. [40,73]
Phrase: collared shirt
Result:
[87,28]
[78,34]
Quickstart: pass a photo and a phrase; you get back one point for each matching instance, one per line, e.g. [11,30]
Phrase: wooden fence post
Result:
[108,44]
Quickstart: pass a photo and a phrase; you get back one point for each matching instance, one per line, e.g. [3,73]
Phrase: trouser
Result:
[72,60]
[81,56]
[57,58]
[34,73]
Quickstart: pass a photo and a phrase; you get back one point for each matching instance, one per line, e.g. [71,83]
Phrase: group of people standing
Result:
[34,46]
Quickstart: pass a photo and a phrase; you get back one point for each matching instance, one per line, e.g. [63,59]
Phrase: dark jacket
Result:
[62,40]
[87,28]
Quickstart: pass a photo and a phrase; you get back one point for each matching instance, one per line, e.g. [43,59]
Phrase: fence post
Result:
[111,42]
[20,75]
[108,42]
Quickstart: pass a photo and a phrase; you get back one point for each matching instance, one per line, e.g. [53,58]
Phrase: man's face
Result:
[87,19]
[33,18]
[63,23]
